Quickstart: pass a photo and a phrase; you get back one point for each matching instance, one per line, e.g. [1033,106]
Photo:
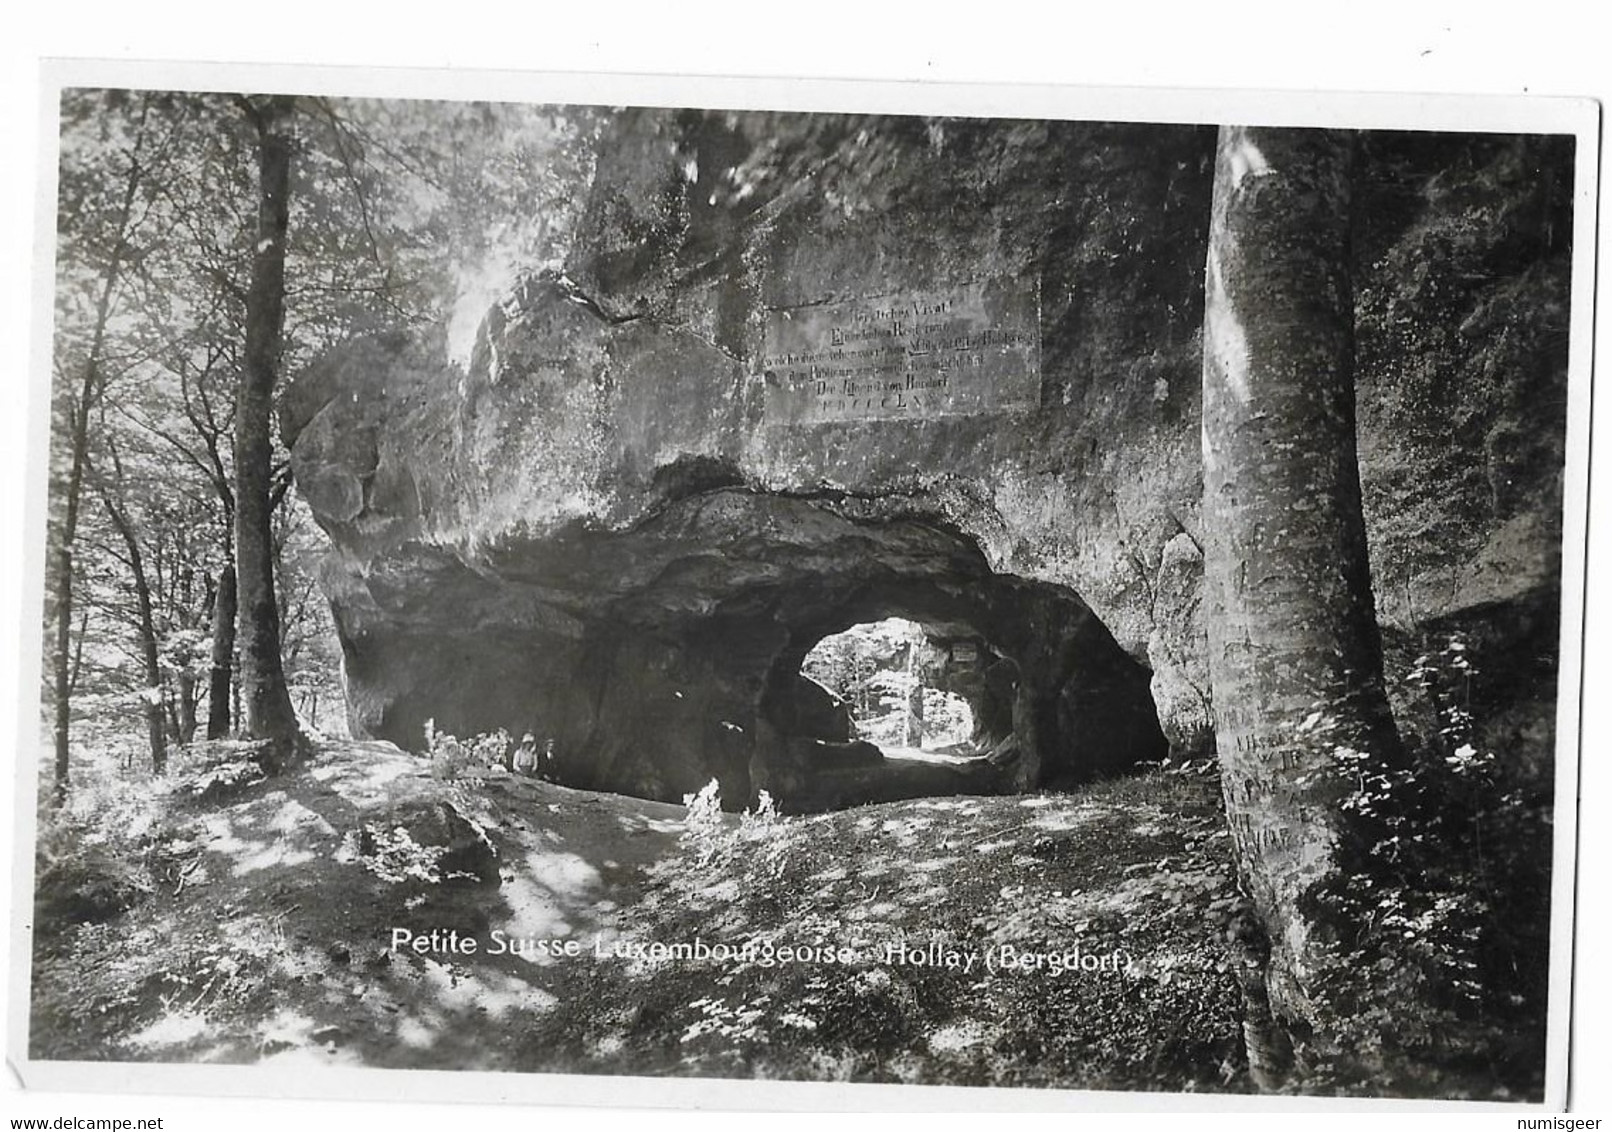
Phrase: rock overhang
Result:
[616,453]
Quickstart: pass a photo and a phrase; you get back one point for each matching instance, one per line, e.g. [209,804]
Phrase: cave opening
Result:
[698,645]
[896,679]
[941,678]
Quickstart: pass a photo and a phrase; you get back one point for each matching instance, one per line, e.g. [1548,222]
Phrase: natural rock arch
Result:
[664,655]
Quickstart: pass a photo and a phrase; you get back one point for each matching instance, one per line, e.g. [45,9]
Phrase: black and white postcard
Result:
[804,594]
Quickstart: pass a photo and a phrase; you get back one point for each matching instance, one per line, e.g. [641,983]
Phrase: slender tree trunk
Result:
[77,665]
[907,728]
[223,659]
[1294,650]
[145,626]
[915,715]
[61,653]
[266,705]
[62,567]
[185,724]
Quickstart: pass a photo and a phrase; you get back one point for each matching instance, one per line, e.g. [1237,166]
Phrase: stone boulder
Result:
[464,852]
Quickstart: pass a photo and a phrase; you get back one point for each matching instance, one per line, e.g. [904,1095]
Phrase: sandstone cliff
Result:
[626,523]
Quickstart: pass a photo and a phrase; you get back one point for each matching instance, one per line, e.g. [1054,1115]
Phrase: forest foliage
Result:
[402,215]
[888,675]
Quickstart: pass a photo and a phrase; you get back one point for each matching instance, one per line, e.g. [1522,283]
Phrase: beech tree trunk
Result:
[1294,649]
[266,705]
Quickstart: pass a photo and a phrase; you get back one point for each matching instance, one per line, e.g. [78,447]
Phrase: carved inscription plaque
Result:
[970,348]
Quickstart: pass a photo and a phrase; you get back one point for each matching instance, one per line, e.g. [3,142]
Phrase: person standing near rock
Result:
[525,761]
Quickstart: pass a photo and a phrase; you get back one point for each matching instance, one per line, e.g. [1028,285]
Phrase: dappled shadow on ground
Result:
[278,943]
[971,926]
[281,941]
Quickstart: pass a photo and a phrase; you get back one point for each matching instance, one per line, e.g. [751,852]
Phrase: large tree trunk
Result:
[1294,650]
[220,677]
[265,702]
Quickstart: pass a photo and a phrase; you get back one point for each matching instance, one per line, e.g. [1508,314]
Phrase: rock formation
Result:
[624,526]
